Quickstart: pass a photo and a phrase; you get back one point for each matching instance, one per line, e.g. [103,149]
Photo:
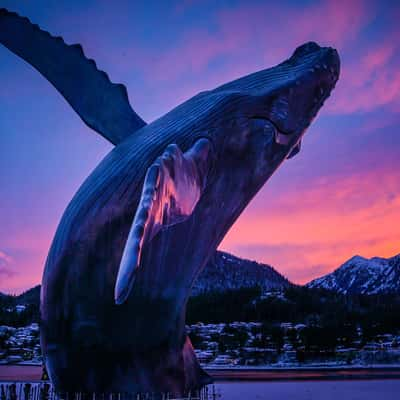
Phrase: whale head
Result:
[265,114]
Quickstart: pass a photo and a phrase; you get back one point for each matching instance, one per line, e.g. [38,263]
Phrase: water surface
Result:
[310,390]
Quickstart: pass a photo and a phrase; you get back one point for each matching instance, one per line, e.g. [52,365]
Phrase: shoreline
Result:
[303,374]
[32,373]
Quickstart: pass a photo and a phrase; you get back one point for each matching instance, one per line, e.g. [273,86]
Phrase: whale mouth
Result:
[288,137]
[280,137]
[293,109]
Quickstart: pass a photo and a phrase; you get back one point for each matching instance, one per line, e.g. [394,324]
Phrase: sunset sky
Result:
[340,196]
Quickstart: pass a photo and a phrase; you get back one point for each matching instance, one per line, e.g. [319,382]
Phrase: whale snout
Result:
[307,79]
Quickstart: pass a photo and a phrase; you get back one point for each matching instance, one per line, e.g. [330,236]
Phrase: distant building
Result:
[286,325]
[19,308]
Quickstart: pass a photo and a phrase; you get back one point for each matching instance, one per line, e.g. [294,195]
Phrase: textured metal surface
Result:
[253,124]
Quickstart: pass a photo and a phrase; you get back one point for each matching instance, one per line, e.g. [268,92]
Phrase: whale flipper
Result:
[102,105]
[172,187]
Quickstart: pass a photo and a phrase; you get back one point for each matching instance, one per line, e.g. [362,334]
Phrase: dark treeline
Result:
[10,317]
[30,299]
[319,309]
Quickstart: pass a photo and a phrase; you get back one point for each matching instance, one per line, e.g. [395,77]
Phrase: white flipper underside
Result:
[172,187]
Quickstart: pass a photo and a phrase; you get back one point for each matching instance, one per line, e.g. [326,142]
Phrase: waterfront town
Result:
[240,344]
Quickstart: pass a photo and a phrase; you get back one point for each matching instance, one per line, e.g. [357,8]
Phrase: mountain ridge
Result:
[223,272]
[360,275]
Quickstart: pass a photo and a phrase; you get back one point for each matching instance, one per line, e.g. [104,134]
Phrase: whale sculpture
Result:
[144,223]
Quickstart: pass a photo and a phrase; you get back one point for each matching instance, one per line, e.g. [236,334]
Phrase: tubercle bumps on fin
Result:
[172,187]
[103,105]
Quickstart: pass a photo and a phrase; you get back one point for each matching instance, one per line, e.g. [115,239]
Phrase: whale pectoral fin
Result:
[172,187]
[102,105]
[294,151]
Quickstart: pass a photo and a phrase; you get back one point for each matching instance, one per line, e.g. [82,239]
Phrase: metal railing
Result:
[45,391]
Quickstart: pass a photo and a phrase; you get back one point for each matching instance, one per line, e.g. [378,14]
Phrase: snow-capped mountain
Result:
[365,276]
[225,271]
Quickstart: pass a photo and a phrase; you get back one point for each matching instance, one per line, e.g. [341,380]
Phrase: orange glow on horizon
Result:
[309,233]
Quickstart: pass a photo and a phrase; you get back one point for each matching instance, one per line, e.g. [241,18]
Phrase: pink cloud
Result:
[23,264]
[303,262]
[6,267]
[5,258]
[25,271]
[252,35]
[245,38]
[322,224]
[370,81]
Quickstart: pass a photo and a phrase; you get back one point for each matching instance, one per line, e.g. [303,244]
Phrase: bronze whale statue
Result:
[145,222]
